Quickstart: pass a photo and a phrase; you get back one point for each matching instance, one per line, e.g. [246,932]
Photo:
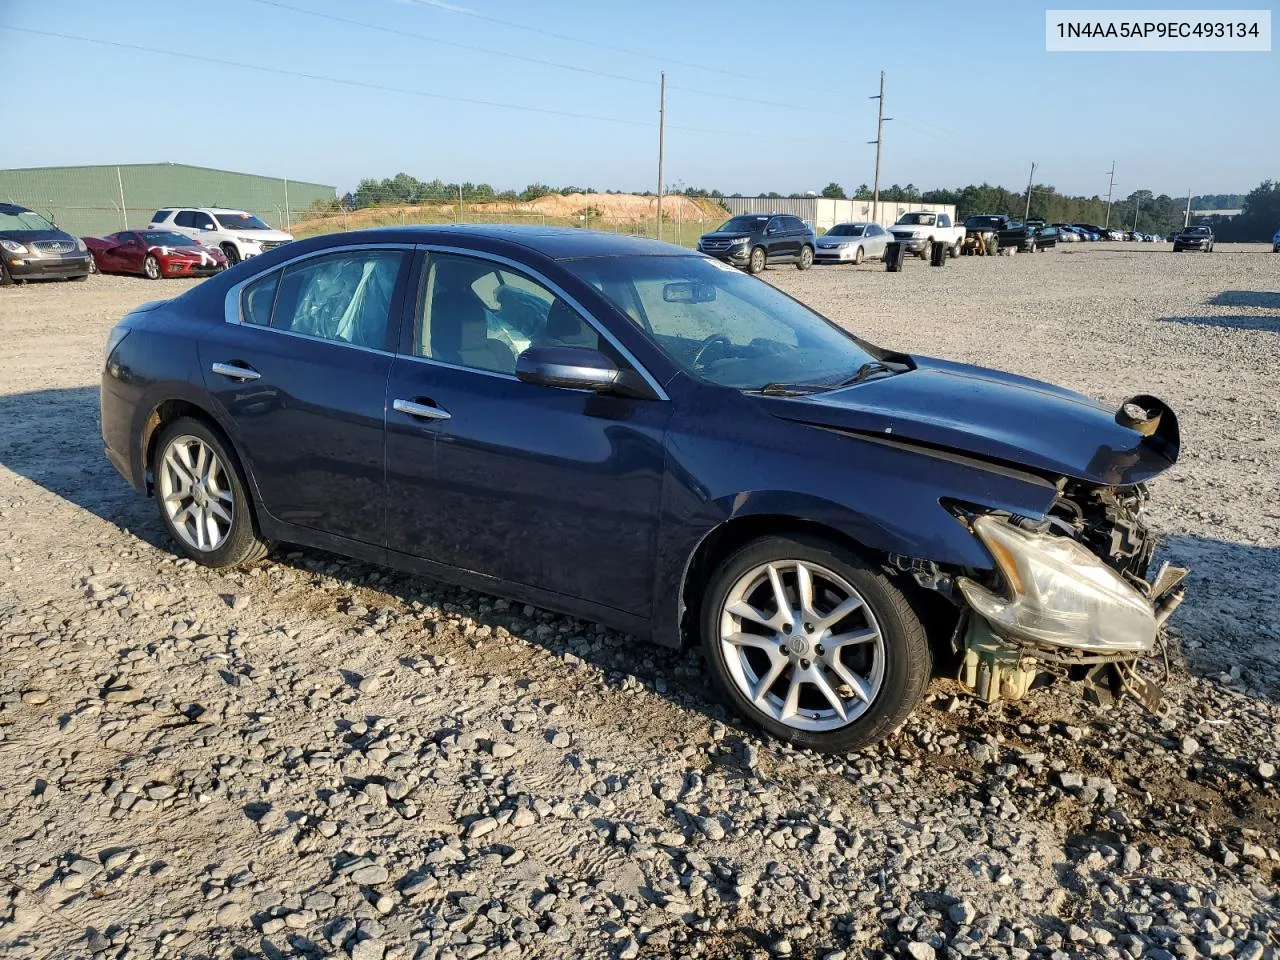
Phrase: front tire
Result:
[203,500]
[813,644]
[5,279]
[806,258]
[757,261]
[151,267]
[857,256]
[231,253]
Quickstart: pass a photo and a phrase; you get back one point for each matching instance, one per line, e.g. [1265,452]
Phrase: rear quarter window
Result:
[257,299]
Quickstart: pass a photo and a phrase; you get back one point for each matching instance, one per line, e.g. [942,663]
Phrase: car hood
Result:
[717,235]
[27,236]
[271,236]
[995,416]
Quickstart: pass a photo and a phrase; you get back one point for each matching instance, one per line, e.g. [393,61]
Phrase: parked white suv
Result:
[238,234]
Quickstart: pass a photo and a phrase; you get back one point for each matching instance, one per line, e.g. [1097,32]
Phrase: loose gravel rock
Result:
[345,761]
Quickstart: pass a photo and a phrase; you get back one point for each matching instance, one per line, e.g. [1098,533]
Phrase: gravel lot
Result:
[316,757]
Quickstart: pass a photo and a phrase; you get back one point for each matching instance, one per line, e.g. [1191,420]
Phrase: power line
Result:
[555,64]
[381,87]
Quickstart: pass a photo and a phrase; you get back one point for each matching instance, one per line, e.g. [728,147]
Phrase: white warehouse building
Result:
[822,213]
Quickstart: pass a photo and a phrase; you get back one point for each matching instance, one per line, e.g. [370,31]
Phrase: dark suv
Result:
[754,240]
[32,248]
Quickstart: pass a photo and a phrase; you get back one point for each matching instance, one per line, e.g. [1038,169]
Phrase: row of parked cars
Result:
[178,242]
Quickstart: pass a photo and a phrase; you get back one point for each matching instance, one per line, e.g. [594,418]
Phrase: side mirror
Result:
[578,368]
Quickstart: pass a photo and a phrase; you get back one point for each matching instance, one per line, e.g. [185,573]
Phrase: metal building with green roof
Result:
[97,200]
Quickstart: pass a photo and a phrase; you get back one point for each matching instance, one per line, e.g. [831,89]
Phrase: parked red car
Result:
[154,254]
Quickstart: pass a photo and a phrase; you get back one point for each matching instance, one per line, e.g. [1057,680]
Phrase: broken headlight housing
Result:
[1060,594]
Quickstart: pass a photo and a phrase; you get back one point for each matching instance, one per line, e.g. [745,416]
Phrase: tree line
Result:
[1141,210]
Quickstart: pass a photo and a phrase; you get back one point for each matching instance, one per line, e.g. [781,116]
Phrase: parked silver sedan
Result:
[852,243]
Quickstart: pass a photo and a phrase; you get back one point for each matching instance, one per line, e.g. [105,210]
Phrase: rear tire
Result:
[806,258]
[93,264]
[202,496]
[877,668]
[955,250]
[757,261]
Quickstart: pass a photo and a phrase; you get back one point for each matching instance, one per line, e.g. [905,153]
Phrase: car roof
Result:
[555,243]
[853,223]
[14,208]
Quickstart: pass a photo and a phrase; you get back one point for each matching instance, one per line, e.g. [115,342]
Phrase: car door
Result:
[111,257]
[551,488]
[776,241]
[300,369]
[130,251]
[877,240]
[203,227]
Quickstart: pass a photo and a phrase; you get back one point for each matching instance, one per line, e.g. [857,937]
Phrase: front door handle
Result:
[424,411]
[235,371]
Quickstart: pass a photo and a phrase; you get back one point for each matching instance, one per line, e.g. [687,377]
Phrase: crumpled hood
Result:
[997,416]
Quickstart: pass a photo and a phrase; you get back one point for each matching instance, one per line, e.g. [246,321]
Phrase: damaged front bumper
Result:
[1058,605]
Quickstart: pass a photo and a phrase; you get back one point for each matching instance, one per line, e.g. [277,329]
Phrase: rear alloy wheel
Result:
[813,644]
[151,267]
[231,253]
[93,265]
[202,496]
[756,262]
[806,258]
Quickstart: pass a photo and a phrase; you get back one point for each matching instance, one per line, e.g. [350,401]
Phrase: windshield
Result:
[742,224]
[846,230]
[240,221]
[918,219]
[1197,230]
[724,326]
[165,238]
[26,220]
[984,221]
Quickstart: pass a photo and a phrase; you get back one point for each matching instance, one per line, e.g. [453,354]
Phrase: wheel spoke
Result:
[779,595]
[748,640]
[212,534]
[852,680]
[216,509]
[202,462]
[776,665]
[836,641]
[178,471]
[841,611]
[804,590]
[197,514]
[791,704]
[819,680]
[745,611]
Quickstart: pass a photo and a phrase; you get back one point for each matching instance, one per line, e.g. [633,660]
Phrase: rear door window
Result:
[185,218]
[344,296]
[160,216]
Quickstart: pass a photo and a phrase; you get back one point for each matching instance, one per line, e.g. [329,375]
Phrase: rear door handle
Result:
[235,371]
[424,411]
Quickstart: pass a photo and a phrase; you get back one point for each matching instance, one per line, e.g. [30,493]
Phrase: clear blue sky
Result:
[1168,120]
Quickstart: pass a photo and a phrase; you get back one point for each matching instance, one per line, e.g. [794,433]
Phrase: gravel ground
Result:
[316,757]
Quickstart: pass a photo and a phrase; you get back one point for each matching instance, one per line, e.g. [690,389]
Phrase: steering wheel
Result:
[708,342]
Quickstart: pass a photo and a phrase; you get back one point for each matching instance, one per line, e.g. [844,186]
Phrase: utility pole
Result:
[1029,179]
[1111,186]
[1186,221]
[879,142]
[662,125]
[1137,206]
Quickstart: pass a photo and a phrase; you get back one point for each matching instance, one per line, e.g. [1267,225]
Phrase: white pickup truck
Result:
[917,230]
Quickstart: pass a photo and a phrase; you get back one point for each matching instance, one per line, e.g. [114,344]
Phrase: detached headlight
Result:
[1062,595]
[13,246]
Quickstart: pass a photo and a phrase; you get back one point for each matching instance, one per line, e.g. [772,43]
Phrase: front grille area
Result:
[715,246]
[54,246]
[272,244]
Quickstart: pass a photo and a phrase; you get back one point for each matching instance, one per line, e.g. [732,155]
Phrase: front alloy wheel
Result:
[757,261]
[202,498]
[813,644]
[151,267]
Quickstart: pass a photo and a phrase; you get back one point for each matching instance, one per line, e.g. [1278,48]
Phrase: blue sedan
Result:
[630,432]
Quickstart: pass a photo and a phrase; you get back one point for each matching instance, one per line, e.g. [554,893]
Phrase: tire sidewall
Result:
[751,261]
[242,539]
[805,260]
[908,661]
[152,259]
